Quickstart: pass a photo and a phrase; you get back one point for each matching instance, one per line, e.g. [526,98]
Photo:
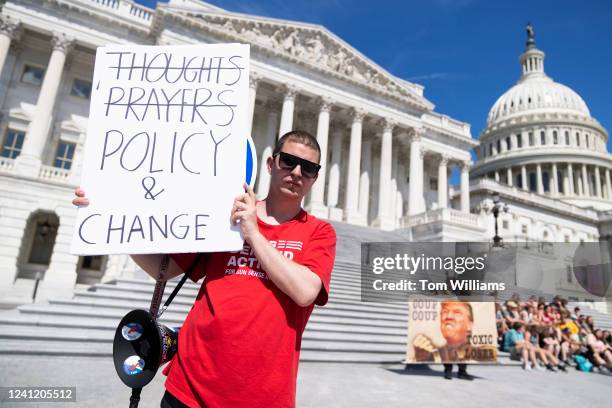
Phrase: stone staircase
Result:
[345,330]
[602,320]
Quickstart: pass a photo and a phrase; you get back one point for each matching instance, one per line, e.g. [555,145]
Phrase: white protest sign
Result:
[167,125]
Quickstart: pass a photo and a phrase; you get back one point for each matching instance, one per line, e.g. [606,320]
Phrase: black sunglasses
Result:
[289,162]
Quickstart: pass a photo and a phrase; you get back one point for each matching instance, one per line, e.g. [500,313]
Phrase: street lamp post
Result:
[495,209]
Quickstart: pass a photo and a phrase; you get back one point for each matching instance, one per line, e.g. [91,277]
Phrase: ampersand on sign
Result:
[148,183]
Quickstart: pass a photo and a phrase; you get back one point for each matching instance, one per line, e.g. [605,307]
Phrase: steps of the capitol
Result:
[317,324]
[106,334]
[336,299]
[69,322]
[347,357]
[352,309]
[190,293]
[63,348]
[347,329]
[324,316]
[345,281]
[93,313]
[332,309]
[54,347]
[43,313]
[95,338]
[115,315]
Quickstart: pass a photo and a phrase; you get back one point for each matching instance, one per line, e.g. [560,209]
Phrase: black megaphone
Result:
[141,346]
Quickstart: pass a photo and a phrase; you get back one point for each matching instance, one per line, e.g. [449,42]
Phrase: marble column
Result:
[497,178]
[263,183]
[416,201]
[333,189]
[351,205]
[253,81]
[286,123]
[399,202]
[317,206]
[443,182]
[554,191]
[565,182]
[540,185]
[608,184]
[585,181]
[465,187]
[364,180]
[9,30]
[524,181]
[598,191]
[570,177]
[384,219]
[29,161]
[392,203]
[509,176]
[403,188]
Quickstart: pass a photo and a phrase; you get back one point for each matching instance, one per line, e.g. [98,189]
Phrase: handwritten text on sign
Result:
[166,125]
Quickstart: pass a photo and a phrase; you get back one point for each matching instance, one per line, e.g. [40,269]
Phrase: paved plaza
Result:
[333,385]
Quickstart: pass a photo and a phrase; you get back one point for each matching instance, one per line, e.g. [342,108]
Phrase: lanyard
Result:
[178,287]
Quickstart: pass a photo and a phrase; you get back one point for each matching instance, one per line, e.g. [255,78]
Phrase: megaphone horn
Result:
[141,346]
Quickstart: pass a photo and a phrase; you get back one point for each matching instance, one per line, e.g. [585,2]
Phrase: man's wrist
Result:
[254,238]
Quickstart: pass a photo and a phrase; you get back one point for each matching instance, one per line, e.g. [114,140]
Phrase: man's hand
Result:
[81,200]
[423,342]
[245,212]
[423,348]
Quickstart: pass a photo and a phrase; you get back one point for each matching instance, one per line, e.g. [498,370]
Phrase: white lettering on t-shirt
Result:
[248,264]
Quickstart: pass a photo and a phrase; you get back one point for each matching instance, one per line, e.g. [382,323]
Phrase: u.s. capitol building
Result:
[387,154]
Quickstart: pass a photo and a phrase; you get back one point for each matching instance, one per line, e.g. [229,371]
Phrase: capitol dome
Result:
[533,94]
[536,92]
[541,139]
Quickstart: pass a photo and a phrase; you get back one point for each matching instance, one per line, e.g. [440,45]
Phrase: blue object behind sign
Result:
[251,163]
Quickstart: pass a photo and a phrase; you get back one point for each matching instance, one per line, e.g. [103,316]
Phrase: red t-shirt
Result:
[240,343]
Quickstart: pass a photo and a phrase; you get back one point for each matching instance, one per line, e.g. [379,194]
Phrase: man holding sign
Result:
[240,343]
[163,164]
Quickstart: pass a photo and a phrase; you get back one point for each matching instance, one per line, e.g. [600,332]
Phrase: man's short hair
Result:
[298,136]
[466,304]
[517,325]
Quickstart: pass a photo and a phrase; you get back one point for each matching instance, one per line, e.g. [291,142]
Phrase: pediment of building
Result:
[309,45]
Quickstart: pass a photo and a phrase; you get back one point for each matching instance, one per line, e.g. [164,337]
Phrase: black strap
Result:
[178,287]
[160,285]
[135,398]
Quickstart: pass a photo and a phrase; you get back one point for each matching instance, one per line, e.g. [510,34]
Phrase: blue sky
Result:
[465,52]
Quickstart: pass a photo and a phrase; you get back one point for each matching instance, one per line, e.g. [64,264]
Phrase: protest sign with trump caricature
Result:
[451,331]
